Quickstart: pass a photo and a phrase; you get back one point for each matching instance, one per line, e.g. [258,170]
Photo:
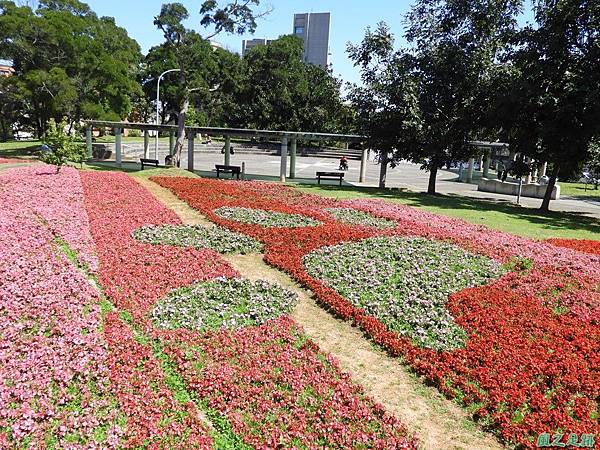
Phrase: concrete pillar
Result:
[118,146]
[88,142]
[469,178]
[486,164]
[293,158]
[543,169]
[363,166]
[146,144]
[284,151]
[191,136]
[171,143]
[227,151]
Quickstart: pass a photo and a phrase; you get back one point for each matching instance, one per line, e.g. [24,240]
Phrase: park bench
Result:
[233,170]
[149,162]
[329,176]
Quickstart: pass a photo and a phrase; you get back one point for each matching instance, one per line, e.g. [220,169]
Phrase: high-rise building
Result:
[313,28]
[251,43]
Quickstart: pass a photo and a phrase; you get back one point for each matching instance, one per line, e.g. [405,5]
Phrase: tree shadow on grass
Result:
[499,211]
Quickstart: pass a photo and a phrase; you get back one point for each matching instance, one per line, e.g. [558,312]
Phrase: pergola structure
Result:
[287,138]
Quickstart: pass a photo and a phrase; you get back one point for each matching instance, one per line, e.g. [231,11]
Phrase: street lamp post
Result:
[157,106]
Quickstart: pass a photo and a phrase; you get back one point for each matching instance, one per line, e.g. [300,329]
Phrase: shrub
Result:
[60,147]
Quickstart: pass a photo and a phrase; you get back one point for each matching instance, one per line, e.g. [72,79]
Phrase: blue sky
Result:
[349,19]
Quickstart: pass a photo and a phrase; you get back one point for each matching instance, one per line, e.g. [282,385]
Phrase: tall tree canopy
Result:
[68,63]
[281,92]
[430,89]
[183,43]
[552,105]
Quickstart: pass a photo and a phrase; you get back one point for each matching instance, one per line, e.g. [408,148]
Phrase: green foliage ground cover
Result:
[197,236]
[355,217]
[223,303]
[404,282]
[265,218]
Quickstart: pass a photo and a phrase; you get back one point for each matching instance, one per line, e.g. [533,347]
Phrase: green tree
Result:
[61,147]
[431,89]
[68,62]
[235,17]
[556,88]
[281,92]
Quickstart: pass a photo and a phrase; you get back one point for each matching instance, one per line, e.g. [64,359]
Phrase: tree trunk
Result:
[180,131]
[383,160]
[551,183]
[432,176]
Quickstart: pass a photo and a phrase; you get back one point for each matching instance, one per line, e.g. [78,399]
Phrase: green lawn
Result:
[19,149]
[505,217]
[579,190]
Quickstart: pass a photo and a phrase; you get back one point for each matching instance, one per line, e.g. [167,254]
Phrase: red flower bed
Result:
[531,364]
[136,275]
[154,417]
[279,391]
[581,245]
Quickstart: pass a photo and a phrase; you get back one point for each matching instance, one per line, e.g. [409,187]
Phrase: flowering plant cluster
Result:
[154,417]
[531,361]
[266,218]
[223,303]
[404,282]
[54,390]
[137,276]
[581,245]
[356,217]
[197,236]
[279,391]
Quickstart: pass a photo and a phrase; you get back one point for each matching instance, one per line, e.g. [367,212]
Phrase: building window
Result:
[299,30]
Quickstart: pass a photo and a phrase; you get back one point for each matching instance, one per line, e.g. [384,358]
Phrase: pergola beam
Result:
[233,132]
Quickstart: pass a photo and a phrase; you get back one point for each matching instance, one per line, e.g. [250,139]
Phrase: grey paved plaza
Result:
[405,175]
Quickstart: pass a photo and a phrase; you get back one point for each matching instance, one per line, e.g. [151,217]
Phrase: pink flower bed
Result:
[53,360]
[56,199]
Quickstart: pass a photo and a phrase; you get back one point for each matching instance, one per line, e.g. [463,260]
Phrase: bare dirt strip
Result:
[438,422]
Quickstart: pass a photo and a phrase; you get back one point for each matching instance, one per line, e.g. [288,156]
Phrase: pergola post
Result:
[363,166]
[118,147]
[486,164]
[227,150]
[470,170]
[171,143]
[293,149]
[191,136]
[146,144]
[88,141]
[284,151]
